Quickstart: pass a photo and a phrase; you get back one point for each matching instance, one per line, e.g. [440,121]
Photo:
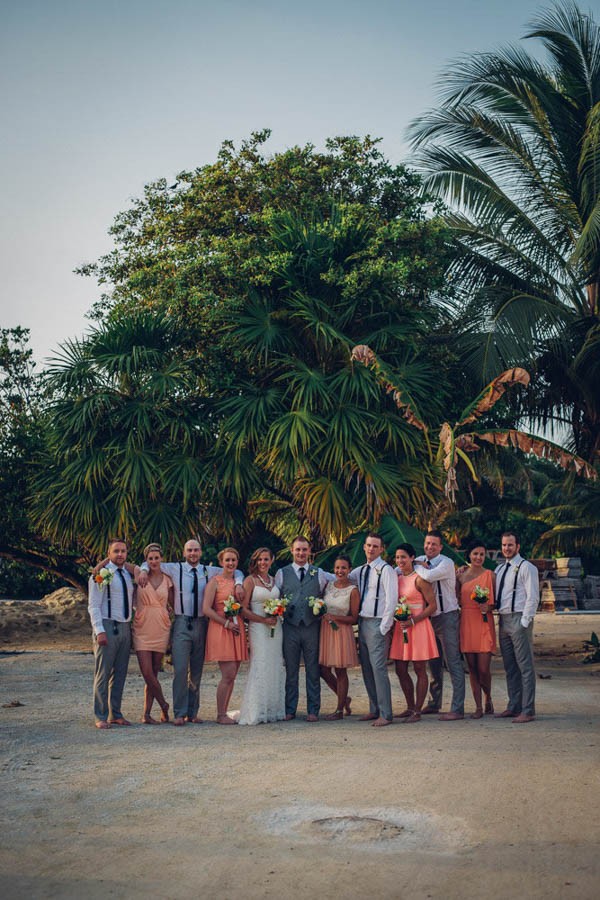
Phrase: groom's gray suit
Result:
[301,630]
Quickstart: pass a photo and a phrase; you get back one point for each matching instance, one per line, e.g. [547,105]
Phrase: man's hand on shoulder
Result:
[142,578]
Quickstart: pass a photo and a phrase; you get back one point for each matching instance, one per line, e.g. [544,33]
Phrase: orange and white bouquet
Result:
[481,595]
[402,613]
[232,608]
[319,608]
[275,606]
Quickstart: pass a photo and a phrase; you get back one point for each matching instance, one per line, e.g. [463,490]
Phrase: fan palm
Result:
[515,152]
[127,438]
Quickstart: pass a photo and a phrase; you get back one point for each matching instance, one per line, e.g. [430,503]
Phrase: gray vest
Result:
[298,611]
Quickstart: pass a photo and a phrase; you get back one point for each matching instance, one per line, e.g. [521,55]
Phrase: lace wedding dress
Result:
[264,696]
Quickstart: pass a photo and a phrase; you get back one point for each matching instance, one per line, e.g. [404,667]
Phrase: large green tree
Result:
[514,150]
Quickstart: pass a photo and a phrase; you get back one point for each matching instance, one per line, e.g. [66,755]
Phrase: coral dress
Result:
[421,638]
[222,645]
[476,636]
[338,648]
[151,623]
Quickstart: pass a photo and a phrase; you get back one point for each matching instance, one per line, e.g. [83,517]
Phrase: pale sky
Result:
[99,98]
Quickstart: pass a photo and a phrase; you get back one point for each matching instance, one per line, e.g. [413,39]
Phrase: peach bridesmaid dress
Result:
[476,636]
[222,645]
[421,638]
[151,623]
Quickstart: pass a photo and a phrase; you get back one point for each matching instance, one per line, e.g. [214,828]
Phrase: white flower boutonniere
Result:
[379,569]
[312,571]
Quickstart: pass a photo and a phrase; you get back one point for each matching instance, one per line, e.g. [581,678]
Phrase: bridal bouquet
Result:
[274,606]
[231,608]
[319,608]
[103,577]
[481,595]
[402,613]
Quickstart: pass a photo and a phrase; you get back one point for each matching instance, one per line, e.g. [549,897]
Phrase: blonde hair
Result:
[150,547]
[253,567]
[227,550]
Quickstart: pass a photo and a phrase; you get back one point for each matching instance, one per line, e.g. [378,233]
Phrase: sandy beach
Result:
[335,809]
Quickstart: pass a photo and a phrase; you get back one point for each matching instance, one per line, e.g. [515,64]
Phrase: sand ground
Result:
[337,809]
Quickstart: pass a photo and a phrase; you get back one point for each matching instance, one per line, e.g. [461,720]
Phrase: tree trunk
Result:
[64,567]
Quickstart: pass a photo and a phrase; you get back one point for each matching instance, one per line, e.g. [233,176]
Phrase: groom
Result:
[299,582]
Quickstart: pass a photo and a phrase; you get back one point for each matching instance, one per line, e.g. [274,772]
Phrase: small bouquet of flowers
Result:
[481,595]
[231,608]
[319,608]
[103,577]
[275,606]
[402,613]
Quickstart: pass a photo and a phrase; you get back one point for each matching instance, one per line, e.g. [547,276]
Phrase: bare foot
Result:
[338,714]
[367,718]
[225,720]
[148,720]
[102,725]
[120,721]
[523,717]
[312,718]
[478,714]
[414,717]
[290,716]
[179,721]
[430,711]
[404,715]
[451,717]
[196,720]
[489,707]
[505,714]
[380,722]
[164,716]
[347,706]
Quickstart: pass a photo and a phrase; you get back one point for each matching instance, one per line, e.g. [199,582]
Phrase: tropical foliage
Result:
[514,149]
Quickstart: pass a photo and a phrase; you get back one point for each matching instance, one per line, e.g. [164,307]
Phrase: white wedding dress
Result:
[264,696]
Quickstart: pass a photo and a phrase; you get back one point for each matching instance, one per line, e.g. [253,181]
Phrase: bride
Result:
[264,697]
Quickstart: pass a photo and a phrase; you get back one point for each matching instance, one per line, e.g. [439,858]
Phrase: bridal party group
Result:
[413,610]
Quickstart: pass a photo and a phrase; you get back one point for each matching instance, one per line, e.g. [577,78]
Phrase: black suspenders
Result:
[181,584]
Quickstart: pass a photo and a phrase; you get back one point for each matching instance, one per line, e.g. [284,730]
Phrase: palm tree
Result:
[330,453]
[126,440]
[515,152]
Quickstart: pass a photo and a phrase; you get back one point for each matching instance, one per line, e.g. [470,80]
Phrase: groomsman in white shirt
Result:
[109,607]
[517,598]
[188,639]
[378,588]
[439,571]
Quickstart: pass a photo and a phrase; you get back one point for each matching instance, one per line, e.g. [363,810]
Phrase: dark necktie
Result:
[365,584]
[301,573]
[125,595]
[502,580]
[195,592]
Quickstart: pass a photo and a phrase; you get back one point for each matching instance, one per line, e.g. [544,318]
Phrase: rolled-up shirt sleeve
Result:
[324,579]
[444,569]
[390,582]
[531,582]
[95,606]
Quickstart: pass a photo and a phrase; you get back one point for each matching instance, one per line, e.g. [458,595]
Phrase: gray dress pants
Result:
[516,646]
[447,635]
[373,649]
[302,640]
[111,662]
[187,647]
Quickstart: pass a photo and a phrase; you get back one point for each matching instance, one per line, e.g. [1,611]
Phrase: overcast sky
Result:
[99,98]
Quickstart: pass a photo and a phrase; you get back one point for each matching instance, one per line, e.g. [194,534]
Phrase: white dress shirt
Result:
[527,593]
[98,599]
[388,592]
[187,582]
[324,577]
[442,575]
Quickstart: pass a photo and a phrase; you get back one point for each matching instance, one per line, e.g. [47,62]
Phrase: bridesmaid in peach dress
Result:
[420,644]
[226,638]
[477,636]
[151,631]
[337,648]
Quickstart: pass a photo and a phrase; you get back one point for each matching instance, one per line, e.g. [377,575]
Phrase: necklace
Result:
[267,584]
